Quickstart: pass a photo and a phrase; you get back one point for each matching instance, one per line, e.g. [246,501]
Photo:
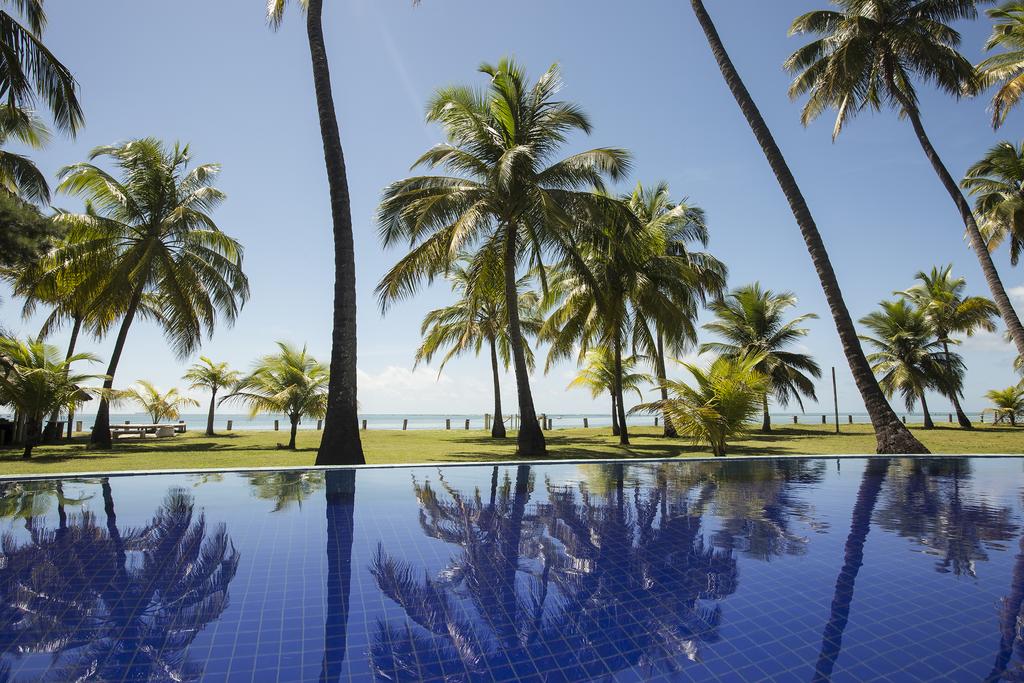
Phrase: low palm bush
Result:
[1008,404]
[722,399]
[159,406]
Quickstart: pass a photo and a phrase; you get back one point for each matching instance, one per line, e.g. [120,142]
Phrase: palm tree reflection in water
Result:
[74,592]
[341,494]
[581,585]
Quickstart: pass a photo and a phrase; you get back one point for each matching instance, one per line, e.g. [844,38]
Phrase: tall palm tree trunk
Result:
[294,420]
[670,430]
[100,436]
[498,427]
[891,435]
[988,268]
[620,408]
[961,417]
[341,494]
[928,423]
[860,524]
[340,444]
[530,439]
[209,415]
[615,412]
[766,417]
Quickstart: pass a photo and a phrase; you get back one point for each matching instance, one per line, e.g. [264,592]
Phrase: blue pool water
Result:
[797,569]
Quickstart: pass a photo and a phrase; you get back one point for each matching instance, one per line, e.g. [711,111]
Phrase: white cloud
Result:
[1017,295]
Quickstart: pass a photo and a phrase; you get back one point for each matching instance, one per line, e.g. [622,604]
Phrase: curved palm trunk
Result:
[952,392]
[615,412]
[209,415]
[340,444]
[530,439]
[670,429]
[890,434]
[341,494]
[498,427]
[100,436]
[294,420]
[928,423]
[33,434]
[988,268]
[766,418]
[860,524]
[620,408]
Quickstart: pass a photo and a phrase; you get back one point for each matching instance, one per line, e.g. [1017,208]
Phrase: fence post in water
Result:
[467,425]
[319,425]
[78,426]
[405,424]
[586,423]
[230,423]
[364,425]
[277,425]
[447,423]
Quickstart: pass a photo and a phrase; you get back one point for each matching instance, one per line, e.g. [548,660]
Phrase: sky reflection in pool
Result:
[796,569]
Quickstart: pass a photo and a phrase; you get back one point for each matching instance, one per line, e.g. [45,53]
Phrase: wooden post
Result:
[904,419]
[405,424]
[78,425]
[364,425]
[586,423]
[824,420]
[277,425]
[467,424]
[319,425]
[655,420]
[794,419]
[951,418]
[487,421]
[447,423]
[230,423]
[983,417]
[127,422]
[835,398]
[849,418]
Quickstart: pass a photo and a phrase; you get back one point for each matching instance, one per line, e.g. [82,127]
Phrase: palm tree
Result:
[37,380]
[150,233]
[1009,404]
[211,376]
[18,174]
[507,199]
[598,375]
[890,434]
[997,184]
[724,398]
[290,382]
[940,296]
[28,70]
[866,57]
[159,406]
[1005,69]
[668,323]
[751,320]
[478,317]
[624,280]
[340,443]
[909,357]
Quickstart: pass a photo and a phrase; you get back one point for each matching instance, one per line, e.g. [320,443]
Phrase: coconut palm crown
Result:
[213,377]
[996,181]
[508,195]
[159,405]
[1005,70]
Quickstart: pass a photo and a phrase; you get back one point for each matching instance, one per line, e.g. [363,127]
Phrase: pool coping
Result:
[492,463]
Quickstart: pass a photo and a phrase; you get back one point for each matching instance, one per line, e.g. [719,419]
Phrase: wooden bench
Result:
[141,430]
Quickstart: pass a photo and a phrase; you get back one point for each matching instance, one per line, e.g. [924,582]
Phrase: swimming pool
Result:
[781,569]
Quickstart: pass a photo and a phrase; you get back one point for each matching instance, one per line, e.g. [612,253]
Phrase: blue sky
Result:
[212,74]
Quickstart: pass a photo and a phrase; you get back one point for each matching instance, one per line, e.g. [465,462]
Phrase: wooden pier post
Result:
[849,418]
[655,420]
[277,425]
[230,424]
[364,425]
[586,423]
[794,419]
[824,420]
[405,424]
[447,423]
[467,424]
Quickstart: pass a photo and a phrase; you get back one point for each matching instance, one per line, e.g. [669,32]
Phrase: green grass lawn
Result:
[260,449]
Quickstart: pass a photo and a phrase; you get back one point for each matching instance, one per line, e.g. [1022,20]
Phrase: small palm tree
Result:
[1008,404]
[213,377]
[478,317]
[29,70]
[598,375]
[340,444]
[891,436]
[290,382]
[751,321]
[996,182]
[866,56]
[1005,69]
[159,406]
[909,358]
[940,297]
[507,197]
[151,232]
[724,397]
[35,380]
